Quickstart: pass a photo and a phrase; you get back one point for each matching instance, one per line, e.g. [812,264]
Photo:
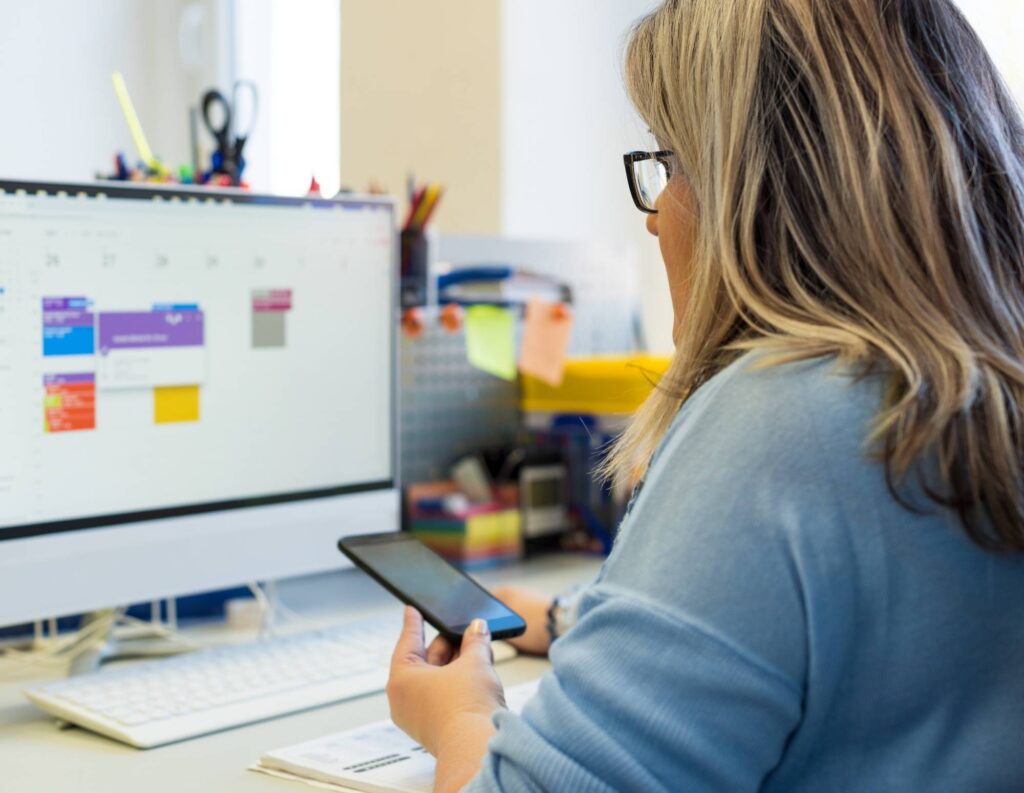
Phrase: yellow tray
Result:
[596,386]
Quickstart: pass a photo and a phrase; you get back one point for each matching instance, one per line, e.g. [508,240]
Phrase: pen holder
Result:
[415,268]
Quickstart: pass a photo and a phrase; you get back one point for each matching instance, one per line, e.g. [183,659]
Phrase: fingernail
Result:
[479,626]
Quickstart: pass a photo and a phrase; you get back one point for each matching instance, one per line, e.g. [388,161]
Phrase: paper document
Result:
[546,333]
[375,758]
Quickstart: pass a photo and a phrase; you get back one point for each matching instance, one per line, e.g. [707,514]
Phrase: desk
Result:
[36,756]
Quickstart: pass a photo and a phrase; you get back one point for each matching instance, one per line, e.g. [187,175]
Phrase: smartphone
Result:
[446,597]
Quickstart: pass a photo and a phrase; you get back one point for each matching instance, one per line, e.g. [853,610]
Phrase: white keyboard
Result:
[157,702]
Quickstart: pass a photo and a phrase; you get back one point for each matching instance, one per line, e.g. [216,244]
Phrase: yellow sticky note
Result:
[545,341]
[490,340]
[175,404]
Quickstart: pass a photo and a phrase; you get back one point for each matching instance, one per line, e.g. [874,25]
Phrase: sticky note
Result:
[545,341]
[175,404]
[490,340]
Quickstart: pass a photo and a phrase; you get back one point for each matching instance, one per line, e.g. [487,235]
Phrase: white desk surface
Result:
[36,756]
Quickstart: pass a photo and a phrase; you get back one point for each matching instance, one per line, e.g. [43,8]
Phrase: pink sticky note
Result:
[545,341]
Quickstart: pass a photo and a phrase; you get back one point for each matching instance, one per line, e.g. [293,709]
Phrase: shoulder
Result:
[744,489]
[803,417]
[759,473]
[765,464]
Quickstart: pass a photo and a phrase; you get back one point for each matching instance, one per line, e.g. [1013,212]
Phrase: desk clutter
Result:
[579,418]
[229,118]
[503,371]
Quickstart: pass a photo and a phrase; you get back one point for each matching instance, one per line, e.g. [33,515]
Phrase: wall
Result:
[56,58]
[566,122]
[291,51]
[1000,23]
[420,89]
[517,105]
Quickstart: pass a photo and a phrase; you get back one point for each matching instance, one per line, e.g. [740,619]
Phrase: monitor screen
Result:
[168,355]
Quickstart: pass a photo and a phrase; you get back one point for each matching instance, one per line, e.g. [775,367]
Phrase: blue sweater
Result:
[771,619]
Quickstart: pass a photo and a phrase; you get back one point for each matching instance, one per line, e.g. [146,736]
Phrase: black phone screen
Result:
[427,581]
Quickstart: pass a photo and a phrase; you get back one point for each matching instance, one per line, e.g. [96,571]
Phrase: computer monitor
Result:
[196,390]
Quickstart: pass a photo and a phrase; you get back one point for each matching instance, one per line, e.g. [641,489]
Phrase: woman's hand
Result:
[532,607]
[443,697]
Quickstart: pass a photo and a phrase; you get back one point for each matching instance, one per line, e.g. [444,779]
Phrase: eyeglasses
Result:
[648,173]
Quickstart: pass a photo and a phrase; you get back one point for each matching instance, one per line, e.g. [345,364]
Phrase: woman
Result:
[818,586]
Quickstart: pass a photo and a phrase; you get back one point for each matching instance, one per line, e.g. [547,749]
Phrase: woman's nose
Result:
[652,225]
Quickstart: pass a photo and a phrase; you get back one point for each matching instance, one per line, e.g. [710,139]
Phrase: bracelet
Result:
[561,614]
[550,625]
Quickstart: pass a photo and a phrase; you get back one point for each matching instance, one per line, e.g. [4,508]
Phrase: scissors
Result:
[227,157]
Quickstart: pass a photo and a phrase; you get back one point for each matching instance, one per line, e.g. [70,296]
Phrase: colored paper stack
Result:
[471,536]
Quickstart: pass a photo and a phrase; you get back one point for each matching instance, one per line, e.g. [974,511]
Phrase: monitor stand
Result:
[132,639]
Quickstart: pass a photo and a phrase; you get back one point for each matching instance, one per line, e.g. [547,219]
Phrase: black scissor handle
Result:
[212,98]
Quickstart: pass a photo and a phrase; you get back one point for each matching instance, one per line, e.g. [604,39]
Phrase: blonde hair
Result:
[857,171]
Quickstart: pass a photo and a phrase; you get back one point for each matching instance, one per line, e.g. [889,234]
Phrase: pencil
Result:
[414,205]
[433,206]
[424,206]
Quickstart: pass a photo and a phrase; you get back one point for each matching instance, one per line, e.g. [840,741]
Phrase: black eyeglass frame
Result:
[664,157]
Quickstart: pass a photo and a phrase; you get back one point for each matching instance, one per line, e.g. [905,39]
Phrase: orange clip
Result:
[451,317]
[412,322]
[561,311]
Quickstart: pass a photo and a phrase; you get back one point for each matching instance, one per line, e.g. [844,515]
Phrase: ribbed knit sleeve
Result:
[663,706]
